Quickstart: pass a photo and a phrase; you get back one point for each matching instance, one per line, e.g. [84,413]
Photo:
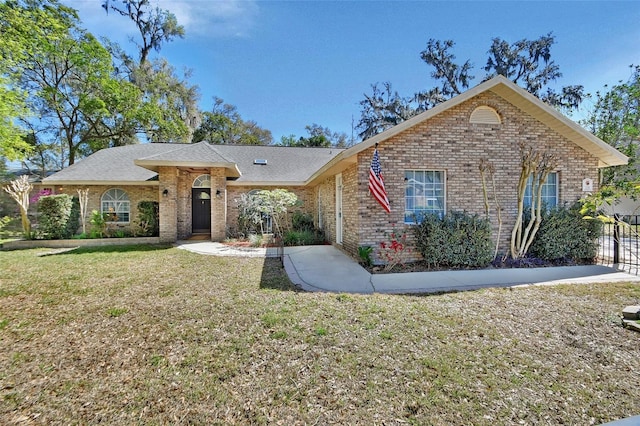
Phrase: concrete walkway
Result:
[325,268]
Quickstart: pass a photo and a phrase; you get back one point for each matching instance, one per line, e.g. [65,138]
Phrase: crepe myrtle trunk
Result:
[19,190]
[537,165]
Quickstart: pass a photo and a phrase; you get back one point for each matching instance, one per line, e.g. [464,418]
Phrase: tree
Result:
[19,190]
[528,63]
[223,125]
[382,110]
[454,78]
[525,62]
[12,105]
[156,26]
[319,137]
[535,166]
[175,99]
[615,119]
[68,79]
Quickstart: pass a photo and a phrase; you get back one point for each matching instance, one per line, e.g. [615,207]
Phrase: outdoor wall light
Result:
[165,192]
[218,193]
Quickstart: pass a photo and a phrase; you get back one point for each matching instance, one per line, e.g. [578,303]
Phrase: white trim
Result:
[339,215]
[444,187]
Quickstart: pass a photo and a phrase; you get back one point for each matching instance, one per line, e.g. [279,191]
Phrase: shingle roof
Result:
[110,165]
[138,163]
[284,164]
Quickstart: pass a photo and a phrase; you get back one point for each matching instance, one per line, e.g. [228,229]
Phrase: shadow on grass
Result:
[109,249]
[274,276]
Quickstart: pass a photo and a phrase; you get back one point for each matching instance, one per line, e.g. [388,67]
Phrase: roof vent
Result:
[485,115]
[260,161]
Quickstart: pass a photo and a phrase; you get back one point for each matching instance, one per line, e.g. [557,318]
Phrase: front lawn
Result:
[148,335]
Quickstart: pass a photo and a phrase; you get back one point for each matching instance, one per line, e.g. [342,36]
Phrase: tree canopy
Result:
[177,114]
[615,119]
[223,125]
[319,137]
[68,80]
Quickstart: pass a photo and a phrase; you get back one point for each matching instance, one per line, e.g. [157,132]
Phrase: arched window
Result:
[485,115]
[202,181]
[115,206]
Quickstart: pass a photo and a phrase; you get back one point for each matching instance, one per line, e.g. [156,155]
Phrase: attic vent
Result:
[260,161]
[484,115]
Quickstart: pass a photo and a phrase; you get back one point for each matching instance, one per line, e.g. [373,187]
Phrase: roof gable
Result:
[512,93]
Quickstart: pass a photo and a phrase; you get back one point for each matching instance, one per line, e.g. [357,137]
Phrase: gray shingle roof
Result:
[283,164]
[111,165]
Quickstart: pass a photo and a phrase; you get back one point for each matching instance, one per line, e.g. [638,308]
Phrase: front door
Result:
[201,210]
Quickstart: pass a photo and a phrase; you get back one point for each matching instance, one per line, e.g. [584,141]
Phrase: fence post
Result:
[616,238]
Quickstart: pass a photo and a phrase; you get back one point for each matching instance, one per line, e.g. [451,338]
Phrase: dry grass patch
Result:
[147,335]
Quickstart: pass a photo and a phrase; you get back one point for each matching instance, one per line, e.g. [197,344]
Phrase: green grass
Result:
[156,335]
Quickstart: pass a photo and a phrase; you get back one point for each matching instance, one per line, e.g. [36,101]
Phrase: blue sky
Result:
[289,64]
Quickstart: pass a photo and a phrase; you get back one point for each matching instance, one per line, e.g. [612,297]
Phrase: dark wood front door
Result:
[201,210]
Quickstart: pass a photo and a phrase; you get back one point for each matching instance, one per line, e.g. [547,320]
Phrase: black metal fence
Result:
[620,243]
[275,247]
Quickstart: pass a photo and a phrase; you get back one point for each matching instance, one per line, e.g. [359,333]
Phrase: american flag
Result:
[376,183]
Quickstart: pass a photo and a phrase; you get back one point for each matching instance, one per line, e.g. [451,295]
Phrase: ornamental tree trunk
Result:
[19,190]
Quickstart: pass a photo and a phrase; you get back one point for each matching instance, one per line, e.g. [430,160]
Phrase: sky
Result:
[289,64]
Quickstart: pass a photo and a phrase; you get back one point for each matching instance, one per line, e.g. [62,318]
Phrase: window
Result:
[549,195]
[424,193]
[115,206]
[202,181]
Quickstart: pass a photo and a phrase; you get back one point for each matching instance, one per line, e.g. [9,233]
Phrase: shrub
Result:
[148,212]
[302,221]
[302,238]
[57,217]
[74,218]
[565,234]
[458,240]
[98,225]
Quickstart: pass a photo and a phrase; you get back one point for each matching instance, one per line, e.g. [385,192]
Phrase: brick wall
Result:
[450,143]
[135,193]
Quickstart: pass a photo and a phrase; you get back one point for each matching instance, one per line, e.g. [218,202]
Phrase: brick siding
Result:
[450,143]
[135,193]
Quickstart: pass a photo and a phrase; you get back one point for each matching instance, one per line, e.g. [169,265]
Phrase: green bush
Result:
[57,216]
[74,218]
[148,212]
[302,221]
[564,234]
[458,240]
[302,238]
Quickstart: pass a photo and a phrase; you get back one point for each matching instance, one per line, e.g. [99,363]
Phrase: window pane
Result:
[115,206]
[549,192]
[424,194]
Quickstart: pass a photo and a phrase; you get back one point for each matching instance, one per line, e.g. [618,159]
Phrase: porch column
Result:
[218,204]
[168,208]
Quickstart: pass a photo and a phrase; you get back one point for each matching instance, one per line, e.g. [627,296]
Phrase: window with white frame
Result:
[424,193]
[115,206]
[549,194]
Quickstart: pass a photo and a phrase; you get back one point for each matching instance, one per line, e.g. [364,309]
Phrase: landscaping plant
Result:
[457,240]
[57,216]
[395,250]
[565,234]
[19,190]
